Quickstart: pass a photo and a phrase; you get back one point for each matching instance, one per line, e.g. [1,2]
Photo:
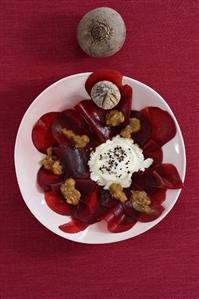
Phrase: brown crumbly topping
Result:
[133,127]
[141,202]
[117,192]
[71,195]
[79,141]
[50,164]
[114,118]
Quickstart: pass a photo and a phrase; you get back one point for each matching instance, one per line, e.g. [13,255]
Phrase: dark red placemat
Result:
[38,47]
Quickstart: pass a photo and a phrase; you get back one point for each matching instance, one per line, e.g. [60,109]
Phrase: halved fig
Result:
[71,120]
[152,150]
[73,226]
[158,209]
[45,178]
[143,135]
[56,202]
[42,137]
[101,75]
[169,176]
[73,160]
[95,118]
[163,125]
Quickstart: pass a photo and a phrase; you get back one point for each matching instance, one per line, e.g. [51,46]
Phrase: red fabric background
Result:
[38,47]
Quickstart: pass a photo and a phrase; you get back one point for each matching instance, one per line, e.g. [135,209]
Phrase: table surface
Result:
[38,47]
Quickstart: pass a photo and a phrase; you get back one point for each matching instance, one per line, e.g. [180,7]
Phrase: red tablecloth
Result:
[38,47]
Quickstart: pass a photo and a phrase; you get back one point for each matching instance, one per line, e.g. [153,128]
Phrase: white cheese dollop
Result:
[115,161]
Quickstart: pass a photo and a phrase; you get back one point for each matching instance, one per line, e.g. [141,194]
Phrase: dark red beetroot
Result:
[73,226]
[125,104]
[148,181]
[71,120]
[143,135]
[42,137]
[95,118]
[85,211]
[45,178]
[158,197]
[56,202]
[152,150]
[117,221]
[73,160]
[169,176]
[158,209]
[101,75]
[105,199]
[163,125]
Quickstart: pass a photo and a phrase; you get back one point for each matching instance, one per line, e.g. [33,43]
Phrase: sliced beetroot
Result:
[163,125]
[95,118]
[114,213]
[101,75]
[73,160]
[121,224]
[149,181]
[129,210]
[71,120]
[158,197]
[73,226]
[86,187]
[169,176]
[105,199]
[42,137]
[152,150]
[56,202]
[125,104]
[158,209]
[45,178]
[143,135]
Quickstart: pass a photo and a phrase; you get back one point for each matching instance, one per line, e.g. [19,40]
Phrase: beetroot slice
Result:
[73,160]
[42,137]
[73,226]
[163,125]
[71,120]
[115,212]
[95,118]
[125,103]
[158,197]
[143,135]
[129,210]
[56,203]
[152,150]
[105,199]
[149,181]
[45,178]
[169,176]
[101,75]
[158,209]
[121,224]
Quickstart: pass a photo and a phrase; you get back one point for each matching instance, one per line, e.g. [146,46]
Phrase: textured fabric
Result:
[38,47]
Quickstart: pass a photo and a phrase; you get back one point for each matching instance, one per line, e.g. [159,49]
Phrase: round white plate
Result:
[63,94]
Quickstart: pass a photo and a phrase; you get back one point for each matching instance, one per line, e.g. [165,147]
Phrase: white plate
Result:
[64,94]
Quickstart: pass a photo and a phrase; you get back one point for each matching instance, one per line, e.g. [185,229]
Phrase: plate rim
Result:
[183,174]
